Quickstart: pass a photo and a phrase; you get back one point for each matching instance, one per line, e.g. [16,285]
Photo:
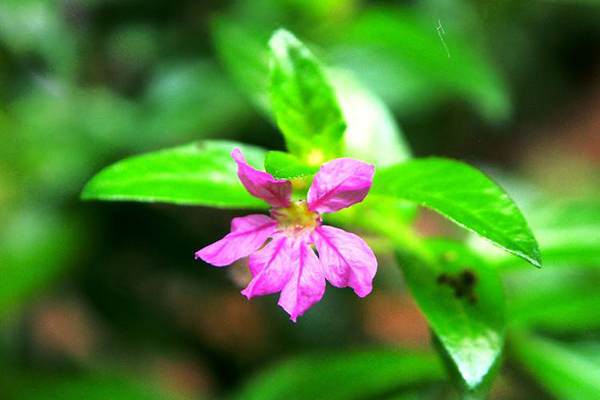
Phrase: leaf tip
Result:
[282,41]
[536,258]
[282,36]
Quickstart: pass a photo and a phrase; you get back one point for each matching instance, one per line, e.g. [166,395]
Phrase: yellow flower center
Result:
[296,219]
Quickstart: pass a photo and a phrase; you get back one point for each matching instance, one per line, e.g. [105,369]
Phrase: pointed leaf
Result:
[481,391]
[464,195]
[303,100]
[568,231]
[372,134]
[201,173]
[463,301]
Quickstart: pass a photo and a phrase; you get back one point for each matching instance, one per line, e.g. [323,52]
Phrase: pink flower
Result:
[287,263]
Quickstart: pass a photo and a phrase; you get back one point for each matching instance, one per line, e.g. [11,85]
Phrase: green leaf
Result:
[568,231]
[464,195]
[563,372]
[480,392]
[343,376]
[463,301]
[303,100]
[372,134]
[287,166]
[201,173]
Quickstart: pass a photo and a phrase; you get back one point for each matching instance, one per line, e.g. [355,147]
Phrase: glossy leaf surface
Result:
[464,195]
[201,173]
[463,301]
[303,100]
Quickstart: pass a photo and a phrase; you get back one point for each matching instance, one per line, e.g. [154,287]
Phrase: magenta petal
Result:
[347,260]
[271,267]
[307,284]
[340,183]
[247,235]
[262,185]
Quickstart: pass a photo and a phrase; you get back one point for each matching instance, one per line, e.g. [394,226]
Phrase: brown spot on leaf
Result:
[463,283]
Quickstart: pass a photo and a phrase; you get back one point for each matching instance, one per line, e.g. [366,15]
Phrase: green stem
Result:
[404,237]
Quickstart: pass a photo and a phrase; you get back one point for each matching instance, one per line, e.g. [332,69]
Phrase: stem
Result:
[405,239]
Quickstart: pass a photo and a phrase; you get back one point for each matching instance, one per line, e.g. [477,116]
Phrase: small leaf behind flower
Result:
[287,166]
[201,173]
[372,135]
[303,100]
[464,195]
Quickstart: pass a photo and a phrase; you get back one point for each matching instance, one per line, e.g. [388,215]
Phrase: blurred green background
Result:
[105,300]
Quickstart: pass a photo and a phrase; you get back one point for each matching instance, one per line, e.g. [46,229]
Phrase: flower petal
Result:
[261,184]
[340,183]
[307,284]
[247,235]
[347,260]
[271,267]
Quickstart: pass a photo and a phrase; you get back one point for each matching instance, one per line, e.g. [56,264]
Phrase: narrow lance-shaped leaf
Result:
[463,301]
[303,100]
[568,231]
[201,173]
[372,134]
[464,195]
